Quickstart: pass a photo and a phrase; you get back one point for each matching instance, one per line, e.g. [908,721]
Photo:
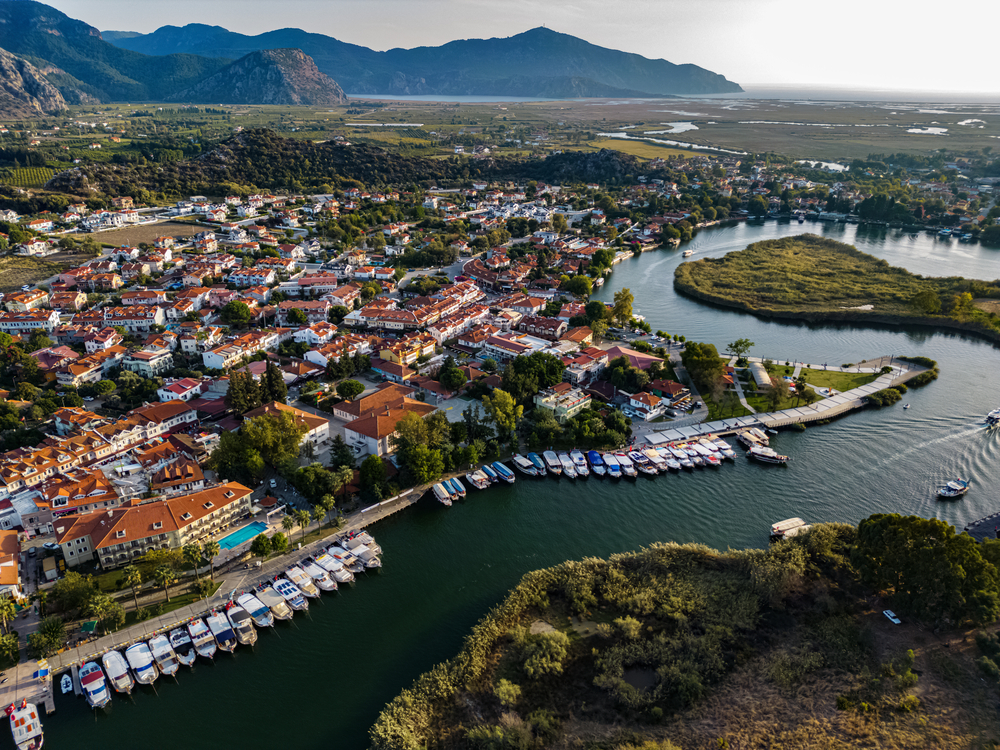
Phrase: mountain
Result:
[277,76]
[42,34]
[24,91]
[539,62]
[110,36]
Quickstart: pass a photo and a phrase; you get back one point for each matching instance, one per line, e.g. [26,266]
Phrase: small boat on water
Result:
[25,725]
[442,494]
[767,455]
[164,655]
[304,582]
[906,406]
[552,462]
[628,468]
[724,448]
[291,594]
[202,638]
[613,467]
[275,602]
[180,642]
[95,687]
[503,472]
[337,570]
[568,467]
[222,629]
[538,463]
[456,483]
[116,668]
[478,479]
[993,418]
[319,576]
[525,465]
[597,463]
[242,624]
[643,463]
[490,472]
[954,488]
[456,489]
[688,253]
[140,659]
[580,463]
[713,459]
[260,612]
[788,528]
[66,684]
[354,538]
[700,449]
[668,457]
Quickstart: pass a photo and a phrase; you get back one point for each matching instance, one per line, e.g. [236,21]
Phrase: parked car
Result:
[274,483]
[891,616]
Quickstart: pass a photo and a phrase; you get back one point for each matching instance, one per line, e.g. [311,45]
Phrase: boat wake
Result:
[878,466]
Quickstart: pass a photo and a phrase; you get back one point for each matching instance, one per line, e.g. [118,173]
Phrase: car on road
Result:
[891,616]
[51,546]
[274,483]
[32,551]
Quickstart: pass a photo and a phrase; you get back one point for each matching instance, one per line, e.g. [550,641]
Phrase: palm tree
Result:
[7,611]
[133,579]
[303,517]
[327,503]
[164,576]
[100,606]
[192,556]
[211,549]
[343,476]
[288,522]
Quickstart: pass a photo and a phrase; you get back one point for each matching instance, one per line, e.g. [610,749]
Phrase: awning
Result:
[89,626]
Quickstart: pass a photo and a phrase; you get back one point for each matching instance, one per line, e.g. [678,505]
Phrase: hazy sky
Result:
[864,43]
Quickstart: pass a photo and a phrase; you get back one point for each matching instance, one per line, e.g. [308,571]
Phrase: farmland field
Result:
[16,271]
[26,176]
[132,236]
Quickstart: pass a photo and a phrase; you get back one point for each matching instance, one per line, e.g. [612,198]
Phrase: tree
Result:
[274,385]
[236,314]
[72,591]
[426,465]
[164,576]
[340,453]
[758,206]
[104,387]
[297,317]
[621,311]
[703,364]
[372,477]
[504,413]
[350,389]
[580,285]
[211,549]
[275,436]
[109,613]
[279,543]
[451,376]
[599,328]
[927,301]
[740,347]
[50,638]
[132,577]
[288,522]
[343,477]
[489,365]
[192,556]
[327,504]
[304,518]
[260,546]
[545,653]
[776,393]
[7,611]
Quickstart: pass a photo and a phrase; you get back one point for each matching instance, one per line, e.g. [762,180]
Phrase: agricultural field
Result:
[16,271]
[31,177]
[639,148]
[133,236]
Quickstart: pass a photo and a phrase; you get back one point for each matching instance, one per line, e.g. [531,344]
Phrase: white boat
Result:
[781,529]
[443,496]
[688,253]
[140,659]
[700,449]
[668,458]
[349,559]
[713,459]
[319,576]
[628,468]
[724,448]
[568,467]
[580,462]
[642,463]
[955,488]
[367,557]
[478,480]
[180,642]
[66,683]
[354,538]
[202,638]
[552,462]
[993,418]
[222,630]
[242,624]
[291,594]
[95,687]
[260,612]
[304,582]
[612,465]
[275,602]
[335,568]
[116,668]
[767,455]
[657,460]
[163,653]
[525,466]
[25,726]
[456,483]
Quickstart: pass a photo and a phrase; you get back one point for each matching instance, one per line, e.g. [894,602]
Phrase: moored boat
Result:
[25,725]
[642,463]
[459,488]
[163,653]
[275,602]
[180,642]
[140,659]
[568,467]
[354,538]
[116,668]
[202,638]
[954,488]
[478,479]
[260,612]
[334,567]
[242,624]
[524,465]
[348,558]
[95,687]
[668,457]
[490,473]
[787,528]
[628,468]
[538,463]
[320,577]
[222,630]
[613,467]
[304,582]
[552,462]
[503,472]
[580,463]
[597,463]
[442,495]
[368,558]
[767,455]
[724,448]
[658,462]
[291,594]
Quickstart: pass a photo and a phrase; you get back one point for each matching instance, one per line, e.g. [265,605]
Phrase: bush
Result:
[142,614]
[901,388]
[885,397]
[988,667]
[544,654]
[507,692]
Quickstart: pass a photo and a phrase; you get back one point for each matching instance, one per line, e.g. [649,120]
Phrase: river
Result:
[320,681]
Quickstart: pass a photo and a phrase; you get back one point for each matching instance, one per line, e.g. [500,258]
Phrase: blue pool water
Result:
[238,537]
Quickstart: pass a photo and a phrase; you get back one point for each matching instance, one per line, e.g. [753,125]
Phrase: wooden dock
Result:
[75,675]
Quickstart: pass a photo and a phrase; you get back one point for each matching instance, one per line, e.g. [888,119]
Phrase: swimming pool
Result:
[246,533]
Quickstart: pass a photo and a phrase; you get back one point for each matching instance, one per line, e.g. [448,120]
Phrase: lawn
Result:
[177,601]
[719,411]
[840,381]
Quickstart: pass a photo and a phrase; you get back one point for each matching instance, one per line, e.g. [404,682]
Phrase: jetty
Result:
[985,528]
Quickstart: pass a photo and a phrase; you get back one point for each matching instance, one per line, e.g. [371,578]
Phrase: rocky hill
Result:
[24,91]
[280,76]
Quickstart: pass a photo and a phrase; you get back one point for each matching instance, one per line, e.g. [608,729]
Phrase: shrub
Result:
[885,397]
[909,704]
[988,667]
[143,613]
[507,692]
[544,654]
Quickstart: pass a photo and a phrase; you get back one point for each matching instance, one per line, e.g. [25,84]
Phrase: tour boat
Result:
[260,612]
[580,462]
[116,668]
[724,448]
[552,462]
[524,465]
[354,538]
[368,558]
[25,725]
[787,528]
[443,496]
[713,459]
[304,582]
[201,637]
[767,455]
[242,624]
[954,488]
[222,629]
[761,435]
[140,659]
[180,642]
[163,653]
[993,418]
[699,449]
[668,459]
[628,468]
[503,472]
[642,462]
[658,462]
[337,570]
[568,467]
[275,602]
[320,577]
[456,484]
[597,463]
[95,687]
[490,472]
[290,593]
[349,559]
[478,480]
[538,463]
[614,468]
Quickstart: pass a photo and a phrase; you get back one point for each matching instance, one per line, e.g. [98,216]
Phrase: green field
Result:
[26,176]
[839,381]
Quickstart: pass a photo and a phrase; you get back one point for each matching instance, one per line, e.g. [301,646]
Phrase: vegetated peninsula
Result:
[816,279]
[679,647]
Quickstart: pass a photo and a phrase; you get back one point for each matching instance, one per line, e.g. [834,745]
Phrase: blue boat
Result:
[503,472]
[538,462]
[488,471]
[596,463]
[457,490]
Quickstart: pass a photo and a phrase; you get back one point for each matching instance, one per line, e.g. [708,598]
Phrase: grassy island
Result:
[815,279]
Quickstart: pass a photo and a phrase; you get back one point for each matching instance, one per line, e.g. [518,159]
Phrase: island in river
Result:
[812,278]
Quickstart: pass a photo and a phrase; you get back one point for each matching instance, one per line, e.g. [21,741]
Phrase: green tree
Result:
[304,518]
[279,543]
[274,380]
[288,522]
[210,549]
[192,556]
[7,611]
[164,576]
[326,504]
[621,311]
[72,591]
[260,546]
[580,285]
[372,478]
[545,654]
[927,301]
[236,314]
[297,317]
[340,453]
[740,347]
[703,364]
[275,436]
[425,464]
[489,365]
[504,412]
[343,477]
[350,389]
[132,577]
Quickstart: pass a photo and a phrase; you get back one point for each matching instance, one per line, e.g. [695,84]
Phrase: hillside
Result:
[539,62]
[283,76]
[24,91]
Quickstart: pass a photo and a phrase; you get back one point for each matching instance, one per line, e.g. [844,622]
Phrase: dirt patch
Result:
[133,236]
[540,626]
[988,305]
[16,271]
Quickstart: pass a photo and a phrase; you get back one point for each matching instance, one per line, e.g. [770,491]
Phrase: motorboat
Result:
[767,455]
[25,725]
[163,653]
[503,472]
[140,659]
[478,479]
[354,538]
[954,488]
[580,462]
[700,449]
[552,462]
[614,469]
[180,642]
[116,669]
[628,468]
[668,458]
[642,463]
[323,580]
[66,684]
[457,491]
[787,528]
[291,594]
[222,629]
[993,418]
[724,448]
[906,406]
[304,582]
[443,495]
[201,637]
[367,558]
[260,612]
[490,472]
[334,567]
[688,253]
[568,467]
[349,559]
[525,466]
[456,484]
[95,687]
[713,460]
[659,463]
[761,435]
[242,624]
[692,454]
[275,602]
[597,463]
[538,463]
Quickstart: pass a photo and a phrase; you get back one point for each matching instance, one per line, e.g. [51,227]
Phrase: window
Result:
[119,535]
[158,525]
[207,505]
[186,517]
